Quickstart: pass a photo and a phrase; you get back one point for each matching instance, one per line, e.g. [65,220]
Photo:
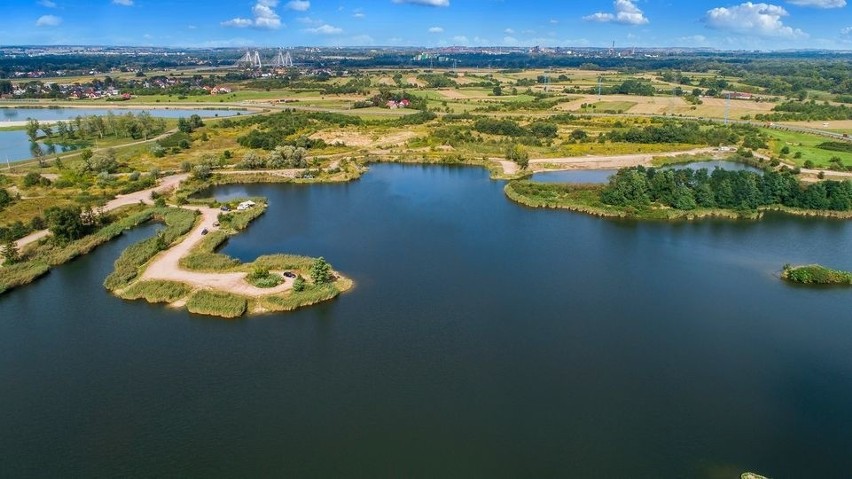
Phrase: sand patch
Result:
[356,138]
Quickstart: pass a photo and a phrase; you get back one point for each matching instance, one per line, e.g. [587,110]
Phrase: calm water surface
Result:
[483,339]
[15,145]
[54,114]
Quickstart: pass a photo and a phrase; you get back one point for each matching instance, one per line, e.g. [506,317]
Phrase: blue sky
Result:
[725,24]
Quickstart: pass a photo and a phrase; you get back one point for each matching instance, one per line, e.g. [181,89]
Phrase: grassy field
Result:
[805,144]
[156,291]
[609,106]
[217,303]
[38,258]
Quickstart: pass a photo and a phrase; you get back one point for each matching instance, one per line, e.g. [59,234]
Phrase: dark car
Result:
[225,208]
[204,231]
[289,274]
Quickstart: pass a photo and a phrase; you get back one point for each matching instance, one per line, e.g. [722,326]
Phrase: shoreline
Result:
[222,290]
[667,214]
[175,183]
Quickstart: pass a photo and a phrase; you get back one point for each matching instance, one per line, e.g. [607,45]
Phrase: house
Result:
[246,205]
[737,95]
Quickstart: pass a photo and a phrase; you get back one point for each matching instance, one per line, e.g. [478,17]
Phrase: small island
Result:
[180,266]
[815,274]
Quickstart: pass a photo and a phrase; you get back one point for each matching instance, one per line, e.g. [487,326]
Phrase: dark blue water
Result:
[602,176]
[483,339]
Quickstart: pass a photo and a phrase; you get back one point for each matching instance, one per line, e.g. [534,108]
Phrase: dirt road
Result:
[166,265]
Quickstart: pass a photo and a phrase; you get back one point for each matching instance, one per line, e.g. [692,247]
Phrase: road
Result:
[602,162]
[166,184]
[166,265]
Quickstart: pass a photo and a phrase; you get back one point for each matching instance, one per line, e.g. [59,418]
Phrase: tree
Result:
[579,135]
[65,223]
[32,129]
[628,187]
[201,172]
[10,252]
[101,162]
[498,91]
[184,125]
[252,161]
[321,271]
[519,155]
[86,155]
[5,198]
[34,179]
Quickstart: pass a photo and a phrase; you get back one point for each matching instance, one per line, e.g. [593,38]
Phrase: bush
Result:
[262,278]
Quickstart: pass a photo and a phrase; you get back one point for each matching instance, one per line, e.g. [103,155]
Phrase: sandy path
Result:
[599,162]
[166,184]
[166,265]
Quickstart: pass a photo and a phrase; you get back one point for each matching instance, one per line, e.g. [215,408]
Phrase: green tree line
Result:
[686,189]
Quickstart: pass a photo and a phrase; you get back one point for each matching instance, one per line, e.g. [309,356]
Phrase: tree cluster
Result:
[673,132]
[281,157]
[687,189]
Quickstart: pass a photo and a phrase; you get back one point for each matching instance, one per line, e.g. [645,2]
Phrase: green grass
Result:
[217,303]
[610,106]
[126,267]
[295,299]
[156,291]
[20,274]
[815,274]
[205,258]
[40,257]
[262,278]
[807,145]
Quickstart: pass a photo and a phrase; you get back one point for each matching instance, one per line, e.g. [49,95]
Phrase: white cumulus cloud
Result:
[298,5]
[48,21]
[325,29]
[264,15]
[47,3]
[819,3]
[626,13]
[761,19]
[123,3]
[436,30]
[428,3]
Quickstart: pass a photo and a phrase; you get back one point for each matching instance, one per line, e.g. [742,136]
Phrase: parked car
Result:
[289,274]
[204,231]
[225,208]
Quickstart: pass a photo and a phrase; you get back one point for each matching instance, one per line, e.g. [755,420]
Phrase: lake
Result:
[56,114]
[15,145]
[483,339]
[602,176]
